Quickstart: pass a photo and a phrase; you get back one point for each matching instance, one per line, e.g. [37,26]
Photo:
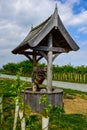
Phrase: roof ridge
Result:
[40,24]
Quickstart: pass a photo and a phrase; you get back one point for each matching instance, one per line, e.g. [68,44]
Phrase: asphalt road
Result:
[67,85]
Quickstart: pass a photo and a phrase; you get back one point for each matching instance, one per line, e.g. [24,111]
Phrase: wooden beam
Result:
[49,65]
[34,65]
[44,55]
[29,57]
[29,53]
[55,56]
[38,59]
[47,48]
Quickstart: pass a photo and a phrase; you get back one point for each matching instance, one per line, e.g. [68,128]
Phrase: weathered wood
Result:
[29,58]
[81,78]
[43,54]
[29,53]
[55,98]
[47,48]
[34,65]
[54,57]
[38,35]
[46,40]
[49,65]
[39,58]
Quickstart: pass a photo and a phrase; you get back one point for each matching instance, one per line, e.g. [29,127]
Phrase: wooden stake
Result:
[16,113]
[34,65]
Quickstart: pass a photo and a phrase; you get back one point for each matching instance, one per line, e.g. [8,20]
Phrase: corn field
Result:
[70,77]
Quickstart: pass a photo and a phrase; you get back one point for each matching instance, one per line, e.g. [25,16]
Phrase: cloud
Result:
[73,58]
[16,18]
[66,10]
[79,19]
[10,35]
[83,30]
[83,44]
[26,12]
[69,17]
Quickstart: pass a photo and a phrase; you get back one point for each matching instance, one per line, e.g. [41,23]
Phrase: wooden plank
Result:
[29,58]
[30,53]
[54,57]
[44,55]
[34,65]
[54,98]
[49,65]
[47,48]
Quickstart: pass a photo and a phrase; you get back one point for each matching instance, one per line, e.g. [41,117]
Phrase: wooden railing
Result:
[70,77]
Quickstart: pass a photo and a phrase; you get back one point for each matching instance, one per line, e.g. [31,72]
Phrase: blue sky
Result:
[17,17]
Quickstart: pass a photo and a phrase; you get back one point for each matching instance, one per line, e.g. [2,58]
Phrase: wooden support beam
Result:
[47,48]
[30,53]
[49,65]
[38,59]
[34,65]
[44,55]
[54,57]
[29,57]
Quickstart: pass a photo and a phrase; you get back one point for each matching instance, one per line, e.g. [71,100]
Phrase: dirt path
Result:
[77,105]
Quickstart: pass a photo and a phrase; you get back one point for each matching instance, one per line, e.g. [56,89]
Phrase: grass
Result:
[5,85]
[71,94]
[59,120]
[69,122]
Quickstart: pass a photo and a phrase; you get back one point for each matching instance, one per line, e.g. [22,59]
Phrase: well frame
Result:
[47,40]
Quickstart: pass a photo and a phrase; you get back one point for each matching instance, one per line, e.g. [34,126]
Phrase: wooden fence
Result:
[70,77]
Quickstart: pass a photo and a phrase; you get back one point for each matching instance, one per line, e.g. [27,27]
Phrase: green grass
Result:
[59,120]
[5,85]
[68,122]
[69,93]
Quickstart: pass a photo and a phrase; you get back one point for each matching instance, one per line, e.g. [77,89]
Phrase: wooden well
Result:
[55,98]
[47,40]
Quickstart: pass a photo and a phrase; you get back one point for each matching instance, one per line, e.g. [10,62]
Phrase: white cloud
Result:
[83,30]
[69,17]
[10,34]
[73,58]
[79,19]
[66,10]
[83,44]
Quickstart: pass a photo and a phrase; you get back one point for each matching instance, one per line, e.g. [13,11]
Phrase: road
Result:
[67,85]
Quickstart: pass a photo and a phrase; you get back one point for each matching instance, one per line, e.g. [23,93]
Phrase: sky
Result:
[17,17]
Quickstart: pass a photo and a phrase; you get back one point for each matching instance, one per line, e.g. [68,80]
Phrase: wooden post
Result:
[16,114]
[49,65]
[34,65]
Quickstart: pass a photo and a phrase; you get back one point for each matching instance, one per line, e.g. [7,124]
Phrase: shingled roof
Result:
[39,36]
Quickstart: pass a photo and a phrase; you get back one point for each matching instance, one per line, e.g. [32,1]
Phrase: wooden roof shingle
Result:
[38,35]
